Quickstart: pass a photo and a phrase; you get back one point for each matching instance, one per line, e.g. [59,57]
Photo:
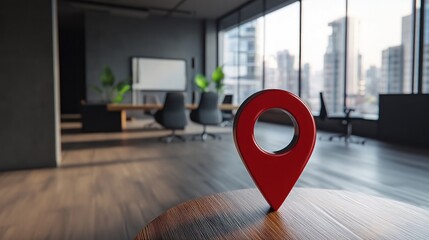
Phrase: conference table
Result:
[147,107]
[306,214]
[122,108]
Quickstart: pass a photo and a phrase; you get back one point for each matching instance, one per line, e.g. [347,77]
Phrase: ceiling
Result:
[201,9]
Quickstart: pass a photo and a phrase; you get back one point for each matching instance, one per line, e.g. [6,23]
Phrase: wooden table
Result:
[146,107]
[306,214]
[122,108]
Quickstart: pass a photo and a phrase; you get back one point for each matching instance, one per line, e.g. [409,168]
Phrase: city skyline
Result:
[388,72]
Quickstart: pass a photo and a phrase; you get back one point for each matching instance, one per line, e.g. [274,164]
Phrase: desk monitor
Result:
[158,74]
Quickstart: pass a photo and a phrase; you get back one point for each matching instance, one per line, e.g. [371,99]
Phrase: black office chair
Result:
[207,113]
[227,115]
[345,120]
[172,116]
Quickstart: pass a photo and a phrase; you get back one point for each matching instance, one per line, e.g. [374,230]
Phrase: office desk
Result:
[146,107]
[306,214]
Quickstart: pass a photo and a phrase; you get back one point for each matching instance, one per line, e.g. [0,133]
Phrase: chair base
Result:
[348,136]
[204,135]
[151,125]
[347,139]
[226,123]
[173,136]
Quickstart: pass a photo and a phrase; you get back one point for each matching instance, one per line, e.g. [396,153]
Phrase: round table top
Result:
[306,214]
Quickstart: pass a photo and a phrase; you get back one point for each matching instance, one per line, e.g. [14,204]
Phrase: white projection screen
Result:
[158,74]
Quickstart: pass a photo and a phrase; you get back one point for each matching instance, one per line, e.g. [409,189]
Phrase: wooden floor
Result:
[111,185]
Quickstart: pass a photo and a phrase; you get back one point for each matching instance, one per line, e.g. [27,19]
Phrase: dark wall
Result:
[28,134]
[404,119]
[113,40]
[72,58]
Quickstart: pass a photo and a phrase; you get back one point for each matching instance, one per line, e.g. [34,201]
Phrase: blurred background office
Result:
[75,166]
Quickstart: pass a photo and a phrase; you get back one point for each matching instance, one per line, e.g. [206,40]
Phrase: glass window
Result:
[351,59]
[250,54]
[379,51]
[416,46]
[322,51]
[425,87]
[229,60]
[282,48]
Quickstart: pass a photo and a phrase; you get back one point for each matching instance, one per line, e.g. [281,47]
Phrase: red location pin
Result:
[276,173]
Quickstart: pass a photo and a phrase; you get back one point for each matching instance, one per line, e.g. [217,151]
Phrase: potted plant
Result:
[217,78]
[110,91]
[96,117]
[202,82]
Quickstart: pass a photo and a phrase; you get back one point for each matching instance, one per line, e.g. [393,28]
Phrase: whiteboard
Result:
[157,74]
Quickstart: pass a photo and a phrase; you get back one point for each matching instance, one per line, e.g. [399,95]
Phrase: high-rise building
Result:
[229,56]
[425,68]
[287,73]
[242,58]
[392,70]
[373,78]
[425,87]
[250,58]
[270,71]
[333,67]
[407,52]
[305,81]
[334,64]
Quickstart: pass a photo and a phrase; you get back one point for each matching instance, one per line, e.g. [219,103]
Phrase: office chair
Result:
[207,113]
[345,120]
[172,116]
[227,115]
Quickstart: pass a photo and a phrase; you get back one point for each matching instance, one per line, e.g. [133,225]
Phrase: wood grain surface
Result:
[306,214]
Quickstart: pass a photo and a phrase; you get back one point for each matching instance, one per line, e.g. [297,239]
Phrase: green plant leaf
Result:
[96,89]
[202,82]
[128,81]
[110,91]
[118,99]
[120,85]
[120,89]
[123,89]
[107,77]
[218,75]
